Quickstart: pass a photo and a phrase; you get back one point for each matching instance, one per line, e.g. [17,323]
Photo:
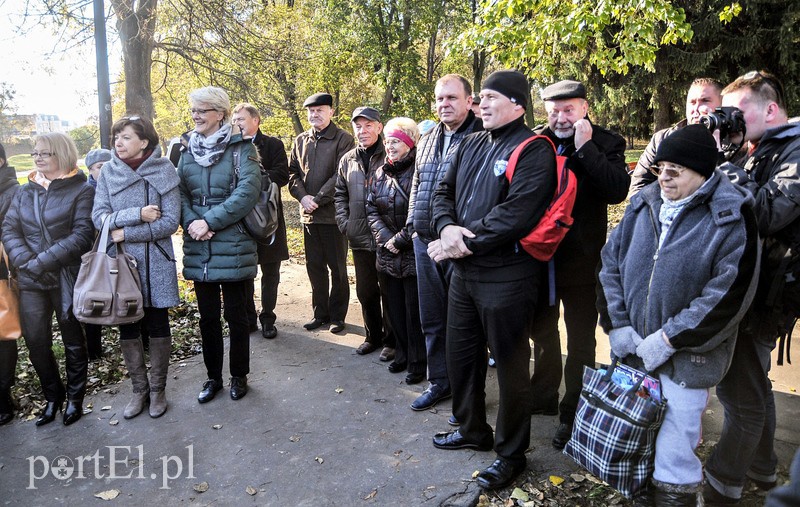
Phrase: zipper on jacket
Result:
[205,271]
[475,180]
[653,270]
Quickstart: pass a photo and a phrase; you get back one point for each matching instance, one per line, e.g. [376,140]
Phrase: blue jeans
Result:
[432,282]
[746,445]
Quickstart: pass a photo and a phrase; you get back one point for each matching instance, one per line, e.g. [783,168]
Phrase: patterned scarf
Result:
[208,150]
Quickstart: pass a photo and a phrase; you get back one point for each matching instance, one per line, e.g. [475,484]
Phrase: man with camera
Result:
[766,165]
[703,97]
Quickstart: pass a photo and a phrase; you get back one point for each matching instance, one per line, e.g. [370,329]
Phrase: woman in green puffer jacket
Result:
[219,256]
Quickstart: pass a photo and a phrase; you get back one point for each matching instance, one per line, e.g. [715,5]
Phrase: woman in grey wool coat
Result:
[138,191]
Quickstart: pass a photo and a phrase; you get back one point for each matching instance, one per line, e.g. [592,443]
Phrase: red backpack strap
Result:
[514,158]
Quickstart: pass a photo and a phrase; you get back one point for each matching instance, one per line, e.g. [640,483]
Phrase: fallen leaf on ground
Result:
[217,426]
[475,474]
[578,477]
[294,438]
[519,494]
[113,422]
[251,490]
[201,488]
[556,480]
[339,390]
[371,495]
[319,460]
[107,407]
[107,495]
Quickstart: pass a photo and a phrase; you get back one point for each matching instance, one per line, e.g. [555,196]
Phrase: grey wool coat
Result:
[122,193]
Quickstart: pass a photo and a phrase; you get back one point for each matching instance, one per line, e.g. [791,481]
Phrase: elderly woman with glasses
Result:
[219,256]
[46,230]
[677,275]
[138,194]
[387,210]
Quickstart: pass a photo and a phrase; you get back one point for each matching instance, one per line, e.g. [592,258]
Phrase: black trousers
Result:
[270,279]
[497,314]
[580,317]
[155,320]
[36,318]
[8,364]
[372,295]
[326,250]
[402,310]
[209,304]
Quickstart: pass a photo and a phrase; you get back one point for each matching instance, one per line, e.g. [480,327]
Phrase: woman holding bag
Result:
[677,275]
[219,256]
[138,193]
[46,230]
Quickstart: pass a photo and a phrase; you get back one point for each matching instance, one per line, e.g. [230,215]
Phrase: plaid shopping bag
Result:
[614,434]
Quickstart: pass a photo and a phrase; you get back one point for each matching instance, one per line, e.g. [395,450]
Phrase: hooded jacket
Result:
[387,211]
[230,254]
[430,167]
[122,193]
[696,287]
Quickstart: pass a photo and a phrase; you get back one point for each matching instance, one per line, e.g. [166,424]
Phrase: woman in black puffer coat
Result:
[387,210]
[8,348]
[40,250]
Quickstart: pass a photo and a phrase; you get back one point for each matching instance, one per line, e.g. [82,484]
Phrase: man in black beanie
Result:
[479,218]
[597,158]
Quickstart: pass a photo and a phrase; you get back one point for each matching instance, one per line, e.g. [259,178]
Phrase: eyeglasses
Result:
[391,142]
[669,170]
[200,111]
[41,154]
[773,83]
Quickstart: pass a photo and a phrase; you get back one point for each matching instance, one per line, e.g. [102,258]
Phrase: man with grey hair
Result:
[312,176]
[597,158]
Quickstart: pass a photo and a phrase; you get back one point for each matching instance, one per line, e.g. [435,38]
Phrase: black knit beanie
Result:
[510,83]
[693,146]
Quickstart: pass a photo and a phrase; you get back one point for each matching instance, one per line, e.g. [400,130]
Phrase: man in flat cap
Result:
[356,168]
[597,158]
[480,217]
[312,176]
[705,95]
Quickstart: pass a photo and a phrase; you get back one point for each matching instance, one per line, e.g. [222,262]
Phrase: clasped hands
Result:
[199,231]
[450,244]
[654,350]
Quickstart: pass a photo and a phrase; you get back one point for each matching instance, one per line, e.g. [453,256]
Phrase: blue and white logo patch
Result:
[500,167]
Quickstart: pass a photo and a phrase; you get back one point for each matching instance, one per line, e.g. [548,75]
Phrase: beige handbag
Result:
[108,290]
[10,328]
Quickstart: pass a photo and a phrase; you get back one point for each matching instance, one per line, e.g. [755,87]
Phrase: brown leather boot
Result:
[160,348]
[133,354]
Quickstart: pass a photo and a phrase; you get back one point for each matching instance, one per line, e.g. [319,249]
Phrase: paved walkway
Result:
[320,426]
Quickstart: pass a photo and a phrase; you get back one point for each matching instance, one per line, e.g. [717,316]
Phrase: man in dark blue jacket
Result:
[434,155]
[480,218]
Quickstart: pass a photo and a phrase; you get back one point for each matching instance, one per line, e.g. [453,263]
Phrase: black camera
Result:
[728,120]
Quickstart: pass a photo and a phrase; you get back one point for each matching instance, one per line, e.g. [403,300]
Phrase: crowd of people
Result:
[434,227]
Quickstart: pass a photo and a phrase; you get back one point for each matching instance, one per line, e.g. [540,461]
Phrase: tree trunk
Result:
[289,99]
[136,31]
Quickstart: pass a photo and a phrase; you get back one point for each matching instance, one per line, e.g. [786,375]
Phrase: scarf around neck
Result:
[208,150]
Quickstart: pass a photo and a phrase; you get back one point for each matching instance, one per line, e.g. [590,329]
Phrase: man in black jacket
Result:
[597,158]
[480,218]
[434,155]
[274,168]
[703,97]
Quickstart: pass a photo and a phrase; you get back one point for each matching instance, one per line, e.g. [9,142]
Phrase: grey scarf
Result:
[208,150]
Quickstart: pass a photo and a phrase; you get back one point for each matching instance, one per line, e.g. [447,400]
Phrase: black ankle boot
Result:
[73,412]
[6,407]
[49,412]
[674,499]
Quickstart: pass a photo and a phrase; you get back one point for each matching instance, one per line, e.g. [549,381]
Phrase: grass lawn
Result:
[21,162]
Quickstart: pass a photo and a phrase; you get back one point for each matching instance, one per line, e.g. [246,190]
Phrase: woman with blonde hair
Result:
[46,230]
[219,256]
[387,210]
[138,193]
